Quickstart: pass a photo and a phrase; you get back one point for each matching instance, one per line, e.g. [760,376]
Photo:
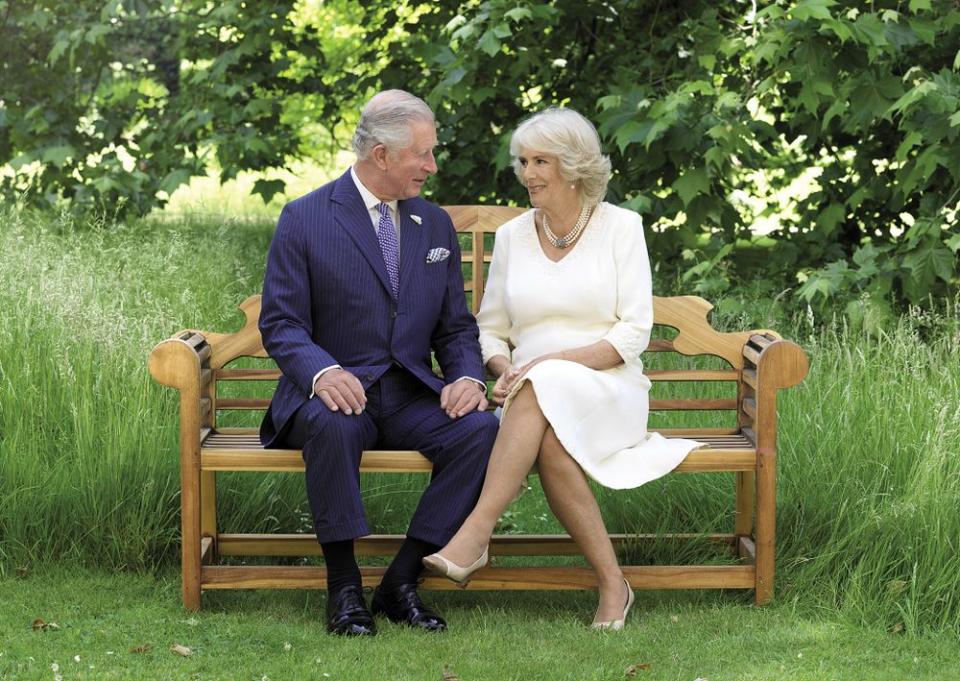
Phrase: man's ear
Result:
[379,156]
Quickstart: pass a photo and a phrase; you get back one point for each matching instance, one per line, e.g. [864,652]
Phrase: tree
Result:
[117,104]
[692,99]
[840,118]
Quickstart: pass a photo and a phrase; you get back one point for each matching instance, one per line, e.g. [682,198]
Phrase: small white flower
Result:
[55,667]
[287,647]
[417,219]
[76,658]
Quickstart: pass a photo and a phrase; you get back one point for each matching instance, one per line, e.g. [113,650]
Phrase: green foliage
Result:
[693,99]
[835,122]
[118,103]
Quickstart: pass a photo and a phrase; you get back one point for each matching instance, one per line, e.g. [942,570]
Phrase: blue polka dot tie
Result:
[387,234]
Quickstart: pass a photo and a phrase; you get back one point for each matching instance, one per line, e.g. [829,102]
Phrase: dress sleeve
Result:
[631,333]
[493,318]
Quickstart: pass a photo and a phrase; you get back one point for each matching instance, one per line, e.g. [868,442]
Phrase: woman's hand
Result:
[512,374]
[504,384]
[522,371]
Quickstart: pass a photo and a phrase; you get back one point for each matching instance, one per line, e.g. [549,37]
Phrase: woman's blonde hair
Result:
[564,133]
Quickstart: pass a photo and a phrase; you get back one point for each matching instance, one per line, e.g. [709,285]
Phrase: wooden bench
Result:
[759,363]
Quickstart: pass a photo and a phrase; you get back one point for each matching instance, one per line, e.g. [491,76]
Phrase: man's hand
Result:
[462,397]
[341,391]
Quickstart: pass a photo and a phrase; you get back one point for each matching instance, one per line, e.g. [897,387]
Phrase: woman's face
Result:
[540,174]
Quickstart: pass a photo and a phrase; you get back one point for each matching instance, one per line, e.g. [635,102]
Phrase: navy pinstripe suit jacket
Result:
[327,298]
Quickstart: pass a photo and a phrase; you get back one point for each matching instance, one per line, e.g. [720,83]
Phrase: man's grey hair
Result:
[564,133]
[386,120]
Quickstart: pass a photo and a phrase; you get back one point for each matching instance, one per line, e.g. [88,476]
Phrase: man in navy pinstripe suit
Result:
[363,281]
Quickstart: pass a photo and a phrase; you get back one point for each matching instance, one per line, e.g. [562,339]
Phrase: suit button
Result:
[369,377]
[393,314]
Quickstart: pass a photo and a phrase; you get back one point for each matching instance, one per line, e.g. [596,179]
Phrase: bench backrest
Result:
[731,380]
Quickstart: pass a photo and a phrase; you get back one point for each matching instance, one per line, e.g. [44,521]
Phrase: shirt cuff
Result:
[471,378]
[320,373]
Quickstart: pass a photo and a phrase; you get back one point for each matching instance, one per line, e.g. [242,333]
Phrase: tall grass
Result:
[88,468]
[868,476]
[869,460]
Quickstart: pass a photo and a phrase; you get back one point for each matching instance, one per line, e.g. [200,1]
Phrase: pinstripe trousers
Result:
[401,413]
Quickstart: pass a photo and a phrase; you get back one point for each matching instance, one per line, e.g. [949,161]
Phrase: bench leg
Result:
[208,513]
[746,494]
[766,525]
[190,535]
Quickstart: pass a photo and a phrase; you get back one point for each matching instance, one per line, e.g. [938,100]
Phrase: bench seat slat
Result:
[243,452]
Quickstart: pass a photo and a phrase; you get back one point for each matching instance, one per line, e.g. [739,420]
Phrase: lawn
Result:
[124,625]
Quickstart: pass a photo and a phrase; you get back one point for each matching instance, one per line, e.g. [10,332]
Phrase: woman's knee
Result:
[552,453]
[524,404]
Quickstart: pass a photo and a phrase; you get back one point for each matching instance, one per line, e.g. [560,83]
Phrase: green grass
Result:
[280,635]
[869,488]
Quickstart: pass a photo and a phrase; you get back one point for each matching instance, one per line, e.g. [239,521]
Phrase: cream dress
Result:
[600,290]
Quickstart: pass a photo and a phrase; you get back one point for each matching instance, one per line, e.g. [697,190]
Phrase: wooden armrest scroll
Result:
[782,364]
[243,343]
[175,362]
[688,314]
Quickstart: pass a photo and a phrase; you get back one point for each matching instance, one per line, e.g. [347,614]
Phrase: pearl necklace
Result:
[567,239]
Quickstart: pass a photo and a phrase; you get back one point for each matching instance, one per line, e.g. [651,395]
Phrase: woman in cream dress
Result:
[567,311]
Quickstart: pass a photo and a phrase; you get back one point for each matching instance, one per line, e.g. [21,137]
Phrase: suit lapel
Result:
[355,220]
[413,246]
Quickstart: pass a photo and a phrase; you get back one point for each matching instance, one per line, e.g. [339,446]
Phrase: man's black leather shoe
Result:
[347,614]
[402,605]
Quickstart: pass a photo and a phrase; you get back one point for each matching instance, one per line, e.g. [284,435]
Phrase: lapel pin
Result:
[417,219]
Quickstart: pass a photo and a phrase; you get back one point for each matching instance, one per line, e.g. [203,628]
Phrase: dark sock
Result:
[342,568]
[407,564]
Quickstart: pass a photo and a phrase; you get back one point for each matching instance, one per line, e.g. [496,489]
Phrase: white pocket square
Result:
[437,254]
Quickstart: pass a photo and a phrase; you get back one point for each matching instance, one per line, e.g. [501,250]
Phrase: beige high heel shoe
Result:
[616,625]
[452,571]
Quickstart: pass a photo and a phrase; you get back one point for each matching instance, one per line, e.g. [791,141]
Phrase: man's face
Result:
[407,169]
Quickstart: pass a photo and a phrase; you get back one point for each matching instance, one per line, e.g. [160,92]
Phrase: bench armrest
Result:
[770,365]
[182,362]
